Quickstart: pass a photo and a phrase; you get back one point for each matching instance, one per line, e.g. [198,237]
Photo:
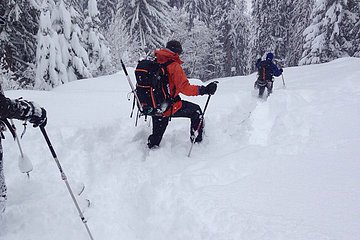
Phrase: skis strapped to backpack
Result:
[152,87]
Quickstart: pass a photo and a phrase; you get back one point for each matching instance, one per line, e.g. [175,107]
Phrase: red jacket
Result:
[178,81]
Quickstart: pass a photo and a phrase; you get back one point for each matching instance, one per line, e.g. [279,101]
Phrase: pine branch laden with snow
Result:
[50,71]
[7,77]
[96,46]
[122,45]
[147,20]
[330,34]
[61,56]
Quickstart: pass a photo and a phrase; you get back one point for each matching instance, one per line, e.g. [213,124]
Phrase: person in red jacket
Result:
[178,83]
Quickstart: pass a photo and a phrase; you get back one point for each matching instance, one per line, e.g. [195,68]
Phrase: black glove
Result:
[281,70]
[209,89]
[38,118]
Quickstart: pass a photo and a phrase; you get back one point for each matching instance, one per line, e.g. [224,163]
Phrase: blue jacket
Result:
[274,70]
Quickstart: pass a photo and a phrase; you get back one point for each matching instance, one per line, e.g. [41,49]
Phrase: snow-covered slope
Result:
[285,168]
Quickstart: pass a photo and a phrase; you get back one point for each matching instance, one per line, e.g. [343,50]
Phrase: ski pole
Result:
[196,133]
[63,177]
[282,75]
[131,85]
[24,164]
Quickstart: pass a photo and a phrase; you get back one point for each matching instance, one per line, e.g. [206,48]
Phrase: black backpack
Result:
[152,87]
[264,71]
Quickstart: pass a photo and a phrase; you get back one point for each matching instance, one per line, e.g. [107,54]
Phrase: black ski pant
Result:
[188,110]
[268,85]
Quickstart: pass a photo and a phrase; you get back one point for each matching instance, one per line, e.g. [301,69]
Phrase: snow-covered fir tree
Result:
[198,9]
[18,28]
[331,33]
[270,28]
[230,20]
[107,9]
[203,53]
[299,17]
[261,39]
[239,39]
[121,44]
[51,71]
[98,51]
[355,31]
[147,20]
[7,77]
[349,28]
[60,55]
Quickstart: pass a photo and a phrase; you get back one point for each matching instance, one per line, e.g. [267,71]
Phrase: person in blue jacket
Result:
[266,72]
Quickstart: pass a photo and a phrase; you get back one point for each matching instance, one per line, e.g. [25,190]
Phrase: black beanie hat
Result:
[174,46]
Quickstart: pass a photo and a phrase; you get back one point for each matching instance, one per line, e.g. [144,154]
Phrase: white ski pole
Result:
[25,164]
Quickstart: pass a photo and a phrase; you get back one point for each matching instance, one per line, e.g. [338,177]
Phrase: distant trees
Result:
[147,21]
[44,43]
[333,32]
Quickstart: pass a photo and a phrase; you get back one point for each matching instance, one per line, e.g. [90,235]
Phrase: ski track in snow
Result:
[247,180]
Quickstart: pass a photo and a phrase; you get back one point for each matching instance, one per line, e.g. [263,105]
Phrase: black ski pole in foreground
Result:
[63,177]
[196,133]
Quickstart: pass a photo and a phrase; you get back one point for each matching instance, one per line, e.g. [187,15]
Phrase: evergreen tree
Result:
[355,31]
[270,28]
[238,38]
[299,20]
[203,53]
[147,20]
[50,71]
[350,28]
[19,25]
[107,9]
[331,33]
[121,44]
[230,20]
[221,21]
[7,77]
[198,9]
[97,49]
[60,55]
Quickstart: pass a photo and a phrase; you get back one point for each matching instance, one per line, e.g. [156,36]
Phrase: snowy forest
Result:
[46,43]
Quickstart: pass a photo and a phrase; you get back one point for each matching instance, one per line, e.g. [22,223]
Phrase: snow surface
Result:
[285,168]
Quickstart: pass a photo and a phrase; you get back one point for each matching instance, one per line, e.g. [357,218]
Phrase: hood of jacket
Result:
[163,55]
